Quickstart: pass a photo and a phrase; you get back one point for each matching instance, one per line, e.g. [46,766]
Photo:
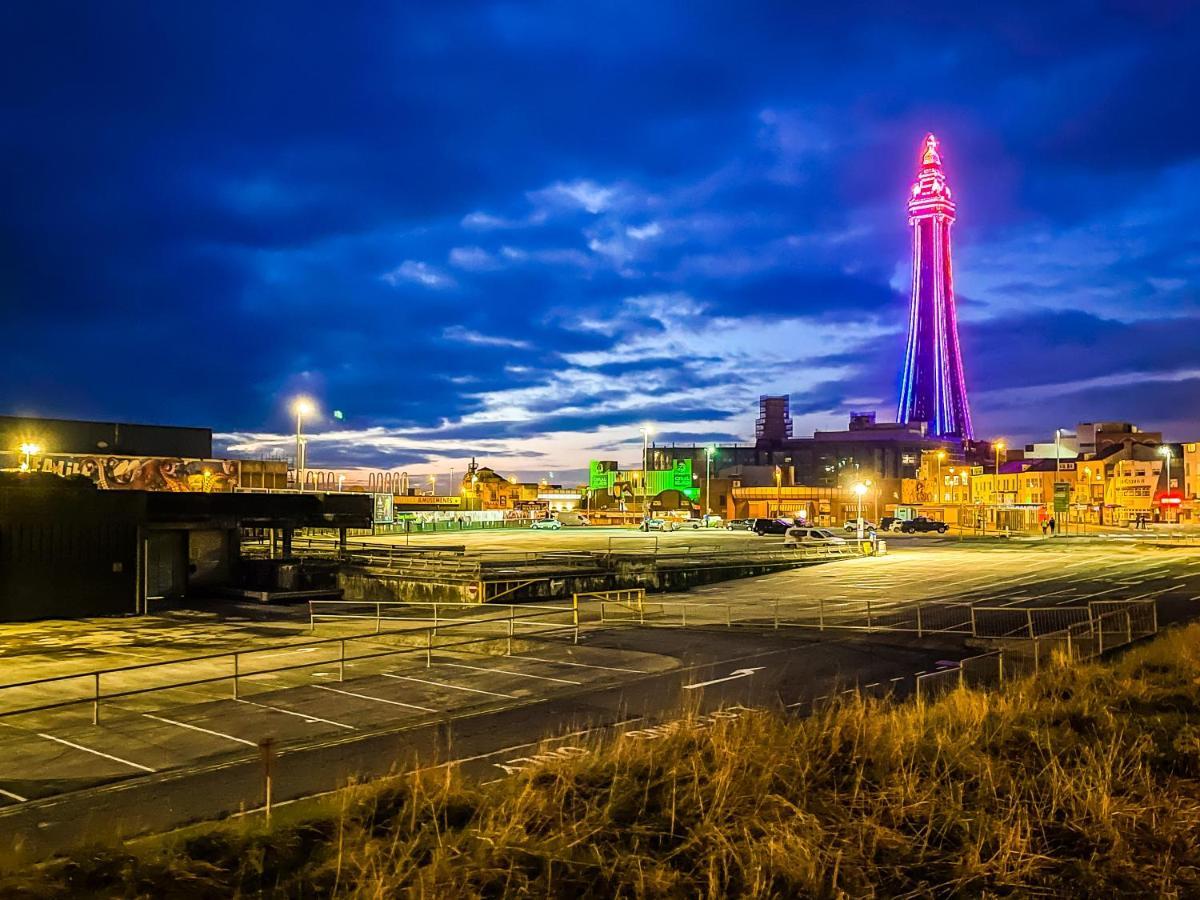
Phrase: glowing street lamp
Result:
[859,490]
[28,450]
[646,430]
[709,453]
[301,407]
[432,484]
[941,454]
[1165,452]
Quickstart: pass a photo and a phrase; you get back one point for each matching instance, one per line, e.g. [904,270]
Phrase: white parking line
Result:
[510,672]
[292,712]
[322,687]
[220,734]
[446,684]
[11,796]
[65,743]
[563,662]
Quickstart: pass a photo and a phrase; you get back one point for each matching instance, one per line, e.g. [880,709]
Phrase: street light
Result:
[859,489]
[941,454]
[432,485]
[1165,452]
[28,450]
[646,430]
[708,455]
[301,407]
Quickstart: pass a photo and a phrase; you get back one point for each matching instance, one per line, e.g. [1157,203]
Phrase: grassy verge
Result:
[1082,783]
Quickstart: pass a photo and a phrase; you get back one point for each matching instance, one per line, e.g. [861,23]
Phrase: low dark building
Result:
[68,550]
[110,438]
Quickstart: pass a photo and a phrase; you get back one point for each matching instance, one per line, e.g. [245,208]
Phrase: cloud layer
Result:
[519,232]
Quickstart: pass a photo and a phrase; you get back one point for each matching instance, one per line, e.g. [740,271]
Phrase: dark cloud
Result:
[201,202]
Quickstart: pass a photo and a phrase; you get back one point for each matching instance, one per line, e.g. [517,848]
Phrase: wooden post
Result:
[342,660]
[235,676]
[918,620]
[266,748]
[428,648]
[776,613]
[575,614]
[378,617]
[1029,622]
[96,699]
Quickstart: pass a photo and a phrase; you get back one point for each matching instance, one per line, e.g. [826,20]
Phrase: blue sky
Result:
[517,231]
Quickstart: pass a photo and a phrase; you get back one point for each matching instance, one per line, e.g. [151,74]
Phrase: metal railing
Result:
[437,613]
[233,667]
[955,617]
[986,670]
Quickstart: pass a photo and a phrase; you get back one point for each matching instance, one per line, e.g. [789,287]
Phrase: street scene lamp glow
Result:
[301,407]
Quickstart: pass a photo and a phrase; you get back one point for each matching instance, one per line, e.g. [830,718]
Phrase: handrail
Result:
[429,631]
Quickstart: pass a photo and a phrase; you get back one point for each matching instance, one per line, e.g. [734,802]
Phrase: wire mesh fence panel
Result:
[1143,618]
[1001,622]
[931,685]
[1057,618]
[983,671]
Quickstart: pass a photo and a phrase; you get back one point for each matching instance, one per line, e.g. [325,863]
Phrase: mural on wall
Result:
[144,473]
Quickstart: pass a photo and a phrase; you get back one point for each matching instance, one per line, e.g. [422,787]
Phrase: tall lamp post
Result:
[301,407]
[646,430]
[859,489]
[1165,452]
[941,454]
[708,455]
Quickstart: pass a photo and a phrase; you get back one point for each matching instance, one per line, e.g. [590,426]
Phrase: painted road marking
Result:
[423,709]
[220,734]
[11,796]
[118,759]
[733,676]
[446,684]
[563,662]
[292,712]
[510,672]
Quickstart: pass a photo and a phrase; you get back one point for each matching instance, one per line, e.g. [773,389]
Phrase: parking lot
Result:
[49,752]
[328,697]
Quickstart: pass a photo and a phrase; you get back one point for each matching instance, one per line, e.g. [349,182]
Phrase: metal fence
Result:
[235,668]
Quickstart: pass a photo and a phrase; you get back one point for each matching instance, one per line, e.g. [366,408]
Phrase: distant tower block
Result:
[774,418]
[932,388]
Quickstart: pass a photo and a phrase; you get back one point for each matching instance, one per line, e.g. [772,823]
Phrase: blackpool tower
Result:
[932,389]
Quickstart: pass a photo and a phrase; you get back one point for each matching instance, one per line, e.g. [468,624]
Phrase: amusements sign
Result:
[144,473]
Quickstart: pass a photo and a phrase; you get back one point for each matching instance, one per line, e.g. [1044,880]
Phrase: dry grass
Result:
[1080,783]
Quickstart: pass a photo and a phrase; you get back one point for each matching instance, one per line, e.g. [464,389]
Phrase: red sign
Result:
[1170,500]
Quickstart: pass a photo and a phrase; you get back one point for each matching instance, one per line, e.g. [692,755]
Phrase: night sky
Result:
[517,231]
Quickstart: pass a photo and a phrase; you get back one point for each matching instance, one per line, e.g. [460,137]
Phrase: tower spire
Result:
[932,388]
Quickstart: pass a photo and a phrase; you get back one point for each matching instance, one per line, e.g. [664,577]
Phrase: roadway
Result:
[65,780]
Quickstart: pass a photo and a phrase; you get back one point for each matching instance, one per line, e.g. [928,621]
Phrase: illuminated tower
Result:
[932,388]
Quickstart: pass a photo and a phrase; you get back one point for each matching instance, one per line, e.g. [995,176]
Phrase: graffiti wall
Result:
[144,473]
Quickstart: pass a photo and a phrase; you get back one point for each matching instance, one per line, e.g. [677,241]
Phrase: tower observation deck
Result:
[932,388]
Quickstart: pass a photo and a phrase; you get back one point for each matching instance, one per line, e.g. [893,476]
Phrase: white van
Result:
[806,534]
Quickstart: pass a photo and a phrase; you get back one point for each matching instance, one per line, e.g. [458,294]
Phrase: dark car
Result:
[769,526]
[739,524]
[923,524]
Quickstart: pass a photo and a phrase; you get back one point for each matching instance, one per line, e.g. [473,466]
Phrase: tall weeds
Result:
[1079,783]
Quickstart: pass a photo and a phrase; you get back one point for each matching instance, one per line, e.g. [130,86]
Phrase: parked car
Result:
[890,523]
[922,524]
[806,534]
[740,525]
[851,526]
[547,525]
[769,526]
[657,525]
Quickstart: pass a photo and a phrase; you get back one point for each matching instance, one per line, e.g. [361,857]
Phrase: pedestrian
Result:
[1045,526]
[1052,524]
